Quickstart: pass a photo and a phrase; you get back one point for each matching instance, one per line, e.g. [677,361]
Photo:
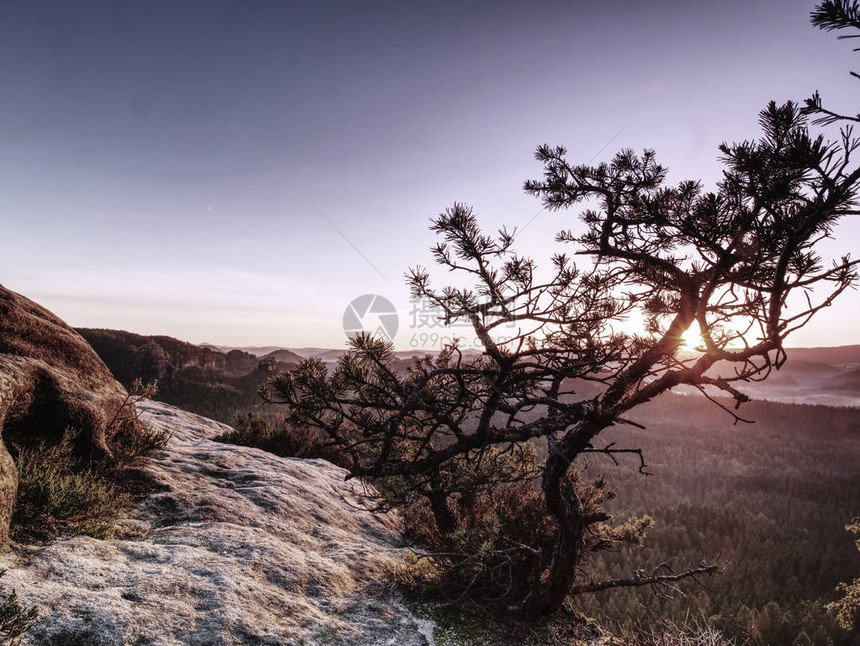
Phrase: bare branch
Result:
[639,579]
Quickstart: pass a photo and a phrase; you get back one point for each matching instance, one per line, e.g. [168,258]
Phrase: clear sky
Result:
[238,172]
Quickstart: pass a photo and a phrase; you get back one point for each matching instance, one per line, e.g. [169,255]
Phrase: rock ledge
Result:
[236,546]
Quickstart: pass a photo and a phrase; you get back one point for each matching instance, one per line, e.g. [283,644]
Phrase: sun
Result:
[692,338]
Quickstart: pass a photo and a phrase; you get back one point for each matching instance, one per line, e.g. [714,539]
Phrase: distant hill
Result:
[843,356]
[257,351]
[217,381]
[131,356]
[222,381]
[846,381]
[825,376]
[326,354]
[283,356]
[794,372]
[202,379]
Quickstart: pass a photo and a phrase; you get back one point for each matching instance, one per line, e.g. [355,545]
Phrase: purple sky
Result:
[135,191]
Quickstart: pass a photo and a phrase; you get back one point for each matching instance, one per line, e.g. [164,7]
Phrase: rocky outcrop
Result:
[269,366]
[236,546]
[152,363]
[50,380]
[8,488]
[53,380]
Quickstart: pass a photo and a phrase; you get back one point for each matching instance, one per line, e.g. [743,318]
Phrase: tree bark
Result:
[445,521]
[564,505]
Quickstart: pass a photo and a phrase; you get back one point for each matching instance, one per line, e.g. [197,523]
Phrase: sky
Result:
[238,172]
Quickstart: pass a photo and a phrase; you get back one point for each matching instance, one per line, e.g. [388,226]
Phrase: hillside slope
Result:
[200,379]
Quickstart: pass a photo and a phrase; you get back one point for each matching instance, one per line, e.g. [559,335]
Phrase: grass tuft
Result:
[56,496]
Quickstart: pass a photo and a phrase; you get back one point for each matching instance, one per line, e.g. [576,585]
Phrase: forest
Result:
[218,385]
[769,499]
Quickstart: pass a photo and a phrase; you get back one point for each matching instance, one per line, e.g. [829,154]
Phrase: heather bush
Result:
[492,556]
[690,632]
[486,559]
[57,495]
[278,436]
[134,441]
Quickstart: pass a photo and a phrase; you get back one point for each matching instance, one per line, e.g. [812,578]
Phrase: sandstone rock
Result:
[8,490]
[152,363]
[51,380]
[236,546]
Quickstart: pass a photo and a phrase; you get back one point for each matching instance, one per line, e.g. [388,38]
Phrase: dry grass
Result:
[690,632]
[56,495]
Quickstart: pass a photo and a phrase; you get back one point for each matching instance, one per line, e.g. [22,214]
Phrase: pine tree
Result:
[452,438]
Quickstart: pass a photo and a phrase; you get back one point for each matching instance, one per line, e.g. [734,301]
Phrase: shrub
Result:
[133,441]
[56,495]
[846,610]
[279,437]
[15,620]
[493,554]
[485,560]
[59,494]
[664,632]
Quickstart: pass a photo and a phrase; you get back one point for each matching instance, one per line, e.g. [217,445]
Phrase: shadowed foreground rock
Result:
[236,546]
[50,380]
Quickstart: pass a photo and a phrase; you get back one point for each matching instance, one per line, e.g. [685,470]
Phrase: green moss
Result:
[453,626]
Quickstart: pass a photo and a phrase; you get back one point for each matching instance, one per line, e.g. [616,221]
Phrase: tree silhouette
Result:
[834,15]
[741,263]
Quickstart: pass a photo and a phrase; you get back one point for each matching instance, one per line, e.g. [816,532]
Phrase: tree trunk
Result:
[445,521]
[564,505]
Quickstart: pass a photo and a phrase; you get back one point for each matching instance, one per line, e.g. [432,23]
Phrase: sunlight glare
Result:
[692,337]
